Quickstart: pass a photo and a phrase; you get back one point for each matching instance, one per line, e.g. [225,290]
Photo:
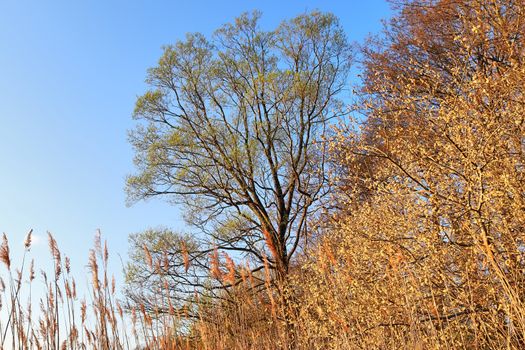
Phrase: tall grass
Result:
[349,292]
[65,319]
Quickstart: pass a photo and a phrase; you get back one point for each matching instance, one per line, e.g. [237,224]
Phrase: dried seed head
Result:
[106,252]
[98,242]
[230,265]
[27,241]
[4,252]
[68,290]
[93,266]
[215,264]
[74,290]
[147,254]
[270,243]
[83,309]
[53,247]
[185,256]
[32,270]
[68,265]
[119,309]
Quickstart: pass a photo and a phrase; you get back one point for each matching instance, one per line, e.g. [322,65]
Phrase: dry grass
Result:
[65,320]
[352,291]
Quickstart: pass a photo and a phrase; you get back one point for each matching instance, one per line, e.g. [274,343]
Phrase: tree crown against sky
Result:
[233,128]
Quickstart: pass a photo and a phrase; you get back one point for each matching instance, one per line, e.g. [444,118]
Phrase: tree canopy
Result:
[234,128]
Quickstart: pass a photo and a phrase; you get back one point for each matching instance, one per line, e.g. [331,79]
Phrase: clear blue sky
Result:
[70,72]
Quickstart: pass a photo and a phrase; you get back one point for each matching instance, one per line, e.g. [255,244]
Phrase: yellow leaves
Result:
[148,104]
[176,139]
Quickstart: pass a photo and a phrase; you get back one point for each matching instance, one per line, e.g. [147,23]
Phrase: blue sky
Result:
[70,72]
